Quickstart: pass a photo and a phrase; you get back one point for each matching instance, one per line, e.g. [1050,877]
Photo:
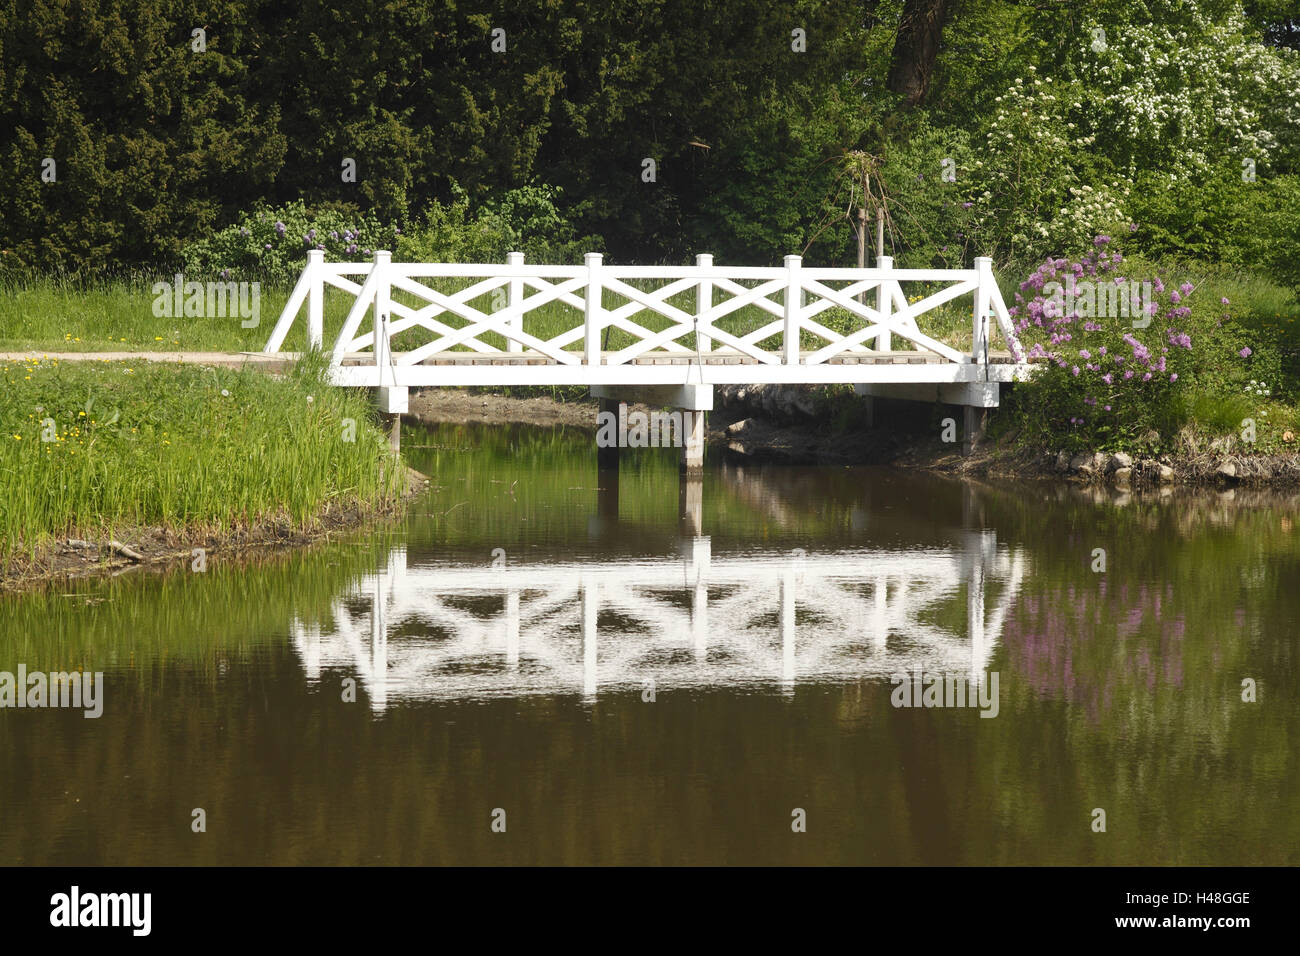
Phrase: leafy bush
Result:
[782,188]
[1178,85]
[1038,185]
[1223,218]
[1109,378]
[527,220]
[1271,240]
[271,244]
[928,209]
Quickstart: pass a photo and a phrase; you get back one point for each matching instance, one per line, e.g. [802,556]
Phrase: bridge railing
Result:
[602,298]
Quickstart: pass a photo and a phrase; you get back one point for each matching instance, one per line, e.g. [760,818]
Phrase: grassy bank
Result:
[91,449]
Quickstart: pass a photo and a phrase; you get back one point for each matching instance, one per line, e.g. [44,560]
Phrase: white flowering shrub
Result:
[1165,93]
[1032,188]
[1185,89]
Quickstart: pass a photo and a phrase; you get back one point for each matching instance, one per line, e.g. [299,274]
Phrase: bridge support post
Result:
[973,425]
[693,400]
[975,397]
[393,401]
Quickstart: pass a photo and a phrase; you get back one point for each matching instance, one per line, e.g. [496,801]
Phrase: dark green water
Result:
[664,676]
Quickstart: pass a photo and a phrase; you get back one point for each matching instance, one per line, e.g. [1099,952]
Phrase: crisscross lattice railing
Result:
[600,324]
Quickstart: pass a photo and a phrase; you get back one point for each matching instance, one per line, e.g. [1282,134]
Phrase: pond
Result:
[543,663]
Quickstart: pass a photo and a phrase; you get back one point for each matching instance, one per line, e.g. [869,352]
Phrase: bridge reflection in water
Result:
[693,619]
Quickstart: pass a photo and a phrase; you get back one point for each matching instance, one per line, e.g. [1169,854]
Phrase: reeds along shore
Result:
[88,448]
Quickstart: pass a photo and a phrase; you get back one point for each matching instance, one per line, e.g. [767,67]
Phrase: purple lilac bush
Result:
[1108,379]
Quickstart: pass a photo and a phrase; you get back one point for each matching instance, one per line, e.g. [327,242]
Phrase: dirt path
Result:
[272,363]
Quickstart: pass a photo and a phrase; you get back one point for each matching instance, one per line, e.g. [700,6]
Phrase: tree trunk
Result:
[917,47]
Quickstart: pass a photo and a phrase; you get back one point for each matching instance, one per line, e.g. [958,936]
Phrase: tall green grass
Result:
[93,447]
[116,314]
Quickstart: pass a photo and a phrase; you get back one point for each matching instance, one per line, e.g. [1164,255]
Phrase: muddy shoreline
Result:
[154,548]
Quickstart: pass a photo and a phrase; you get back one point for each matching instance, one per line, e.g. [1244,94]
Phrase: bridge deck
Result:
[716,357]
[720,367]
[274,361]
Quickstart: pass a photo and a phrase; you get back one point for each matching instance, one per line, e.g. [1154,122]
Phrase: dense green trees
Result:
[669,127]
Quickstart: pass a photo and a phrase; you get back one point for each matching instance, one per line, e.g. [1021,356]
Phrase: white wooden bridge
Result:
[550,325]
[440,631]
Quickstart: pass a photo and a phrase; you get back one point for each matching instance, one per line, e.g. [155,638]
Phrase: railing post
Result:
[515,260]
[594,320]
[382,259]
[315,298]
[793,305]
[884,341]
[980,321]
[393,398]
[703,301]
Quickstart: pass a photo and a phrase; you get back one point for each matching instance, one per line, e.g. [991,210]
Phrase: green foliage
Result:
[1270,236]
[527,220]
[158,143]
[165,155]
[929,211]
[90,447]
[271,244]
[1046,414]
[1033,190]
[150,141]
[1222,218]
[1221,414]
[762,208]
